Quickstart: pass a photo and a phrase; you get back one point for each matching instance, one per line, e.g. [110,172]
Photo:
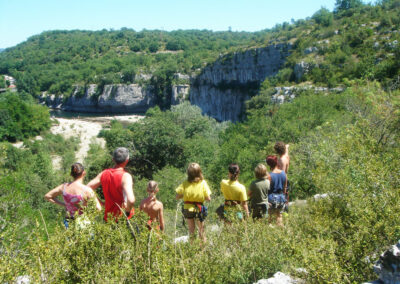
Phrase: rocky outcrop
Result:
[280,278]
[302,68]
[388,265]
[51,101]
[310,49]
[180,93]
[287,94]
[222,87]
[112,99]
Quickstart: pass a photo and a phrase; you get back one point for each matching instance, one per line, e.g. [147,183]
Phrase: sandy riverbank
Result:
[87,129]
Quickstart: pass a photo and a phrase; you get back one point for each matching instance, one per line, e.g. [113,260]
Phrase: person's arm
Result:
[250,191]
[179,191]
[91,194]
[245,207]
[287,159]
[285,186]
[52,194]
[96,182]
[127,188]
[207,193]
[243,201]
[161,218]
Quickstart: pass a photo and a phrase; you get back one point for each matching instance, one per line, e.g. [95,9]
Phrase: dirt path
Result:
[87,130]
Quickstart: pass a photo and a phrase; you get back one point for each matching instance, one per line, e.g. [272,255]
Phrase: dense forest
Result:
[343,145]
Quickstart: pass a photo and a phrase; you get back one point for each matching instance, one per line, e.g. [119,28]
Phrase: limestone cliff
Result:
[112,99]
[117,98]
[222,87]
[220,90]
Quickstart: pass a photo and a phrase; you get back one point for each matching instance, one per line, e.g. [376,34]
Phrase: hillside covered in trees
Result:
[344,146]
[354,41]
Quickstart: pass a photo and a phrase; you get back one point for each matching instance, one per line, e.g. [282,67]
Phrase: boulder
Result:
[142,77]
[24,279]
[310,49]
[388,265]
[279,278]
[301,69]
[183,239]
[179,76]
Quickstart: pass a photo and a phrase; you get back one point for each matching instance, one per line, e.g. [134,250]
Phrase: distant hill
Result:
[330,48]
[2,49]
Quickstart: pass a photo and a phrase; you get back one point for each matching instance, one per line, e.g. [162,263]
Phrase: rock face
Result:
[301,69]
[221,88]
[180,93]
[388,265]
[51,100]
[113,99]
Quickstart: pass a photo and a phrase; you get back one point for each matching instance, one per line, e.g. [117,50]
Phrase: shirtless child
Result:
[283,160]
[152,207]
[282,150]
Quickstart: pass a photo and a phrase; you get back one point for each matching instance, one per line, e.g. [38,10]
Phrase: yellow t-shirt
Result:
[233,190]
[193,191]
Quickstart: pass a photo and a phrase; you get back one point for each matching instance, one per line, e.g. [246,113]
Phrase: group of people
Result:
[267,193]
[117,186]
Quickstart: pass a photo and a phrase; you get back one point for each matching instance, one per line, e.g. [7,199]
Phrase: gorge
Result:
[220,89]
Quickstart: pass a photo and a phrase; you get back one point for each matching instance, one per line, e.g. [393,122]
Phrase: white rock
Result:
[215,228]
[183,239]
[179,94]
[24,279]
[180,76]
[320,196]
[279,278]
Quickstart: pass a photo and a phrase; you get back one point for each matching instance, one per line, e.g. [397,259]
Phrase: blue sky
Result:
[20,19]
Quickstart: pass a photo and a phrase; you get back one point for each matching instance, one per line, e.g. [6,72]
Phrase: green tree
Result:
[342,5]
[323,17]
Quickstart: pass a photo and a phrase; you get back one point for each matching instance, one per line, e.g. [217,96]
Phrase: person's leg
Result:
[279,219]
[202,234]
[270,215]
[191,226]
[66,223]
[264,211]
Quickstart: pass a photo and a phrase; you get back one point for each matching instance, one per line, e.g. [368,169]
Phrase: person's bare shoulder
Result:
[142,203]
[127,175]
[159,205]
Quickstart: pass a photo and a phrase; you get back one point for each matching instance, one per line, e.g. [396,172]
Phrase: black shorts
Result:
[260,211]
[190,214]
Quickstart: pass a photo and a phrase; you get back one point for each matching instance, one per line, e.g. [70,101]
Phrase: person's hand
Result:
[130,214]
